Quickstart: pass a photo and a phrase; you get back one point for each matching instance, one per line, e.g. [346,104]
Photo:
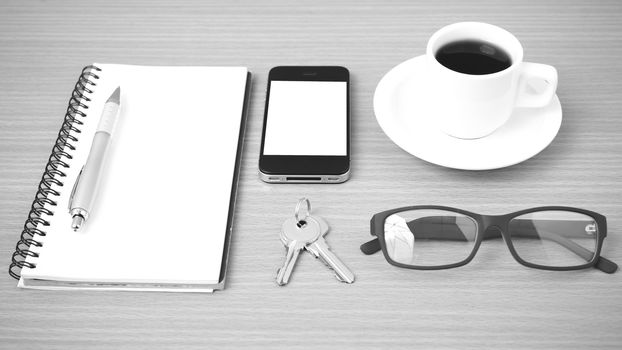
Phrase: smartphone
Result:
[306,127]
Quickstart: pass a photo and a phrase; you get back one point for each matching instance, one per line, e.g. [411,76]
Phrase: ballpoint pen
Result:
[87,182]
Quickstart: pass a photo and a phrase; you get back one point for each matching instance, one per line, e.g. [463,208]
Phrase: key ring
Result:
[297,212]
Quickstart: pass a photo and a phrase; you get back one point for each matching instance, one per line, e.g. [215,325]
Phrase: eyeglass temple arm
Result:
[371,247]
[445,228]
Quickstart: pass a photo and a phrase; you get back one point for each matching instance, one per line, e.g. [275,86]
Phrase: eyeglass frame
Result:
[484,223]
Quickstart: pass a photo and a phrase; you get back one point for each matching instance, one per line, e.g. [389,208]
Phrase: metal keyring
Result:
[297,212]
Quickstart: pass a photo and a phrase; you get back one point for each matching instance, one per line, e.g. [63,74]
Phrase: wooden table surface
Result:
[491,303]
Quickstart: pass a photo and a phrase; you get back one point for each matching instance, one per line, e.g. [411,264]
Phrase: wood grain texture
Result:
[491,303]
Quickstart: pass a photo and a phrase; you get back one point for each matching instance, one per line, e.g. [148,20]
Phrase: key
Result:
[296,235]
[320,249]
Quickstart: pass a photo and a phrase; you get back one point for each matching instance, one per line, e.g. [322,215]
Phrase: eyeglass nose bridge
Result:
[494,227]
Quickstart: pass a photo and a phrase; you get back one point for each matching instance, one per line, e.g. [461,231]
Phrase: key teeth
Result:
[325,262]
[342,280]
[319,257]
[339,278]
[278,282]
[333,270]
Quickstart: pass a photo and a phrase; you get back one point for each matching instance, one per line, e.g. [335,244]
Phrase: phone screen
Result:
[307,118]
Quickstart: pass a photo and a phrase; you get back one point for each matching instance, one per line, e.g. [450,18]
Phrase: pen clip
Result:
[73,190]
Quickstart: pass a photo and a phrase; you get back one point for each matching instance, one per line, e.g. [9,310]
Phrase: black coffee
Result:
[473,57]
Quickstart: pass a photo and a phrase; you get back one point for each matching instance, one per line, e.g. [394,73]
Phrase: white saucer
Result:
[401,112]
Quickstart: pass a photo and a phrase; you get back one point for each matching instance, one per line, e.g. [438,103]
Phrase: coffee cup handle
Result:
[531,72]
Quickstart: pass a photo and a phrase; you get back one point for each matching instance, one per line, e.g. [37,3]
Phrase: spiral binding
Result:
[61,152]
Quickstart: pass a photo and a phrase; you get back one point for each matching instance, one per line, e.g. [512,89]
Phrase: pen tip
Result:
[116,96]
[77,222]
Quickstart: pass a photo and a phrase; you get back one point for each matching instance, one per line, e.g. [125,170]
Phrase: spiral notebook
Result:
[163,215]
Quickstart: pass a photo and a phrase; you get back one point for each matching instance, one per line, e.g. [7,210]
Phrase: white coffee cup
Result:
[473,106]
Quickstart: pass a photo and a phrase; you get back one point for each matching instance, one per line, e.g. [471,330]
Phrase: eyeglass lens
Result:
[554,238]
[428,237]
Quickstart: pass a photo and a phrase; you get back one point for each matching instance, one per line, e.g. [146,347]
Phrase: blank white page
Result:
[161,211]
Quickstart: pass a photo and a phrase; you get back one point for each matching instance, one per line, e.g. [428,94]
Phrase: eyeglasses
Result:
[436,237]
